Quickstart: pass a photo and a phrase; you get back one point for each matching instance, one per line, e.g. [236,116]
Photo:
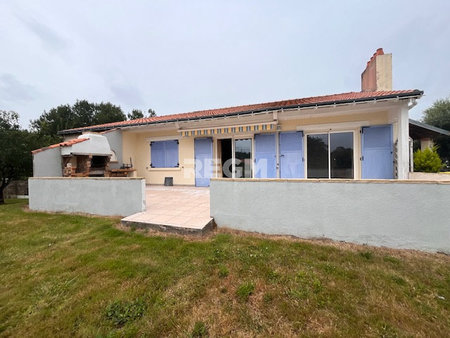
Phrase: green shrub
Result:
[427,160]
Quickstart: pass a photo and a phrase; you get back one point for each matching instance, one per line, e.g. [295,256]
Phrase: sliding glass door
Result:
[243,158]
[330,155]
[317,149]
[341,155]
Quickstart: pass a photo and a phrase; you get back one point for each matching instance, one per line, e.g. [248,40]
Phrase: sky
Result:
[182,56]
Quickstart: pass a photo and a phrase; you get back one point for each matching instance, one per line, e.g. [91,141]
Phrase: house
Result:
[323,147]
[355,135]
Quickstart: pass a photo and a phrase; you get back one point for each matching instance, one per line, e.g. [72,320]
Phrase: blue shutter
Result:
[291,155]
[203,161]
[171,148]
[157,155]
[377,152]
[265,156]
[164,154]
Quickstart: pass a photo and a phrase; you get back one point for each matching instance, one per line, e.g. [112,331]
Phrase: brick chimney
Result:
[378,73]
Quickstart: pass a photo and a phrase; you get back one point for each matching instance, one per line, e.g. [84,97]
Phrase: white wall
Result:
[47,163]
[95,195]
[115,142]
[397,214]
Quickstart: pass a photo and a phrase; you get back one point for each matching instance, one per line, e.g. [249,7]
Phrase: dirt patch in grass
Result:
[67,275]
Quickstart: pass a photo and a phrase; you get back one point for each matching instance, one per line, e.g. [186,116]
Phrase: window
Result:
[164,154]
[330,155]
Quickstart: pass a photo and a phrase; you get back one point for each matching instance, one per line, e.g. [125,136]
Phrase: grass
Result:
[64,275]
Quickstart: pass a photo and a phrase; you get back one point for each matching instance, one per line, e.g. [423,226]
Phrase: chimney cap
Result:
[378,52]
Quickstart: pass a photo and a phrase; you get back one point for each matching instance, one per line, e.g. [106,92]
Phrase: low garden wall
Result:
[96,195]
[17,189]
[397,214]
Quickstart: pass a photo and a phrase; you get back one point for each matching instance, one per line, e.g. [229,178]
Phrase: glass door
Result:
[330,155]
[317,149]
[341,155]
[243,158]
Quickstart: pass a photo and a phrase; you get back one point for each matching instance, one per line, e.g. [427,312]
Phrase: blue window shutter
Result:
[203,161]
[265,156]
[171,154]
[157,154]
[377,152]
[164,154]
[291,155]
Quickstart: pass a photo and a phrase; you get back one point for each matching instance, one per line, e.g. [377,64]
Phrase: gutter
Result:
[413,94]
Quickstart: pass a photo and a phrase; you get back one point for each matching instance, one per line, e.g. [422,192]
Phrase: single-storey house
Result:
[355,135]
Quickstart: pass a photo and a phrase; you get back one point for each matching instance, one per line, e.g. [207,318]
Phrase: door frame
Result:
[233,139]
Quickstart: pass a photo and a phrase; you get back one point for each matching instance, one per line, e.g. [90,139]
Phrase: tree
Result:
[138,114]
[107,112]
[81,114]
[438,115]
[9,120]
[84,113]
[135,114]
[15,150]
[56,119]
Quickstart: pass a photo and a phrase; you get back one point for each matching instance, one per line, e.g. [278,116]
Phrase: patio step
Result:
[143,220]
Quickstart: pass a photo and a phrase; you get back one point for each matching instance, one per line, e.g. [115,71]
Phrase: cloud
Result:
[12,90]
[127,94]
[49,37]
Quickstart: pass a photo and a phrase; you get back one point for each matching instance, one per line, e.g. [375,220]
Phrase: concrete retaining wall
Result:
[97,196]
[397,214]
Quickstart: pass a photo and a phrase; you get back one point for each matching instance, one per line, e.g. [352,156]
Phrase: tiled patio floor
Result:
[177,209]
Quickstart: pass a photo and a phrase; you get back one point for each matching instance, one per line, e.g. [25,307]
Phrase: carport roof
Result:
[420,130]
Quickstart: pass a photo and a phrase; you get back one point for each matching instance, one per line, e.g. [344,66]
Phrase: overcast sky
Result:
[181,56]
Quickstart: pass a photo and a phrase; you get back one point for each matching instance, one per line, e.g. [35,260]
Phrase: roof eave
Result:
[412,94]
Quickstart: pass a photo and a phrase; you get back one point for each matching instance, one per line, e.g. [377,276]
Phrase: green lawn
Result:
[72,275]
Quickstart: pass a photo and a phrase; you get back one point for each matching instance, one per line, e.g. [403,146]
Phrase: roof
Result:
[418,130]
[254,108]
[62,144]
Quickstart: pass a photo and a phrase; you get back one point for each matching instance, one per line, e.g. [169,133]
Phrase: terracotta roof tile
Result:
[62,144]
[326,99]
